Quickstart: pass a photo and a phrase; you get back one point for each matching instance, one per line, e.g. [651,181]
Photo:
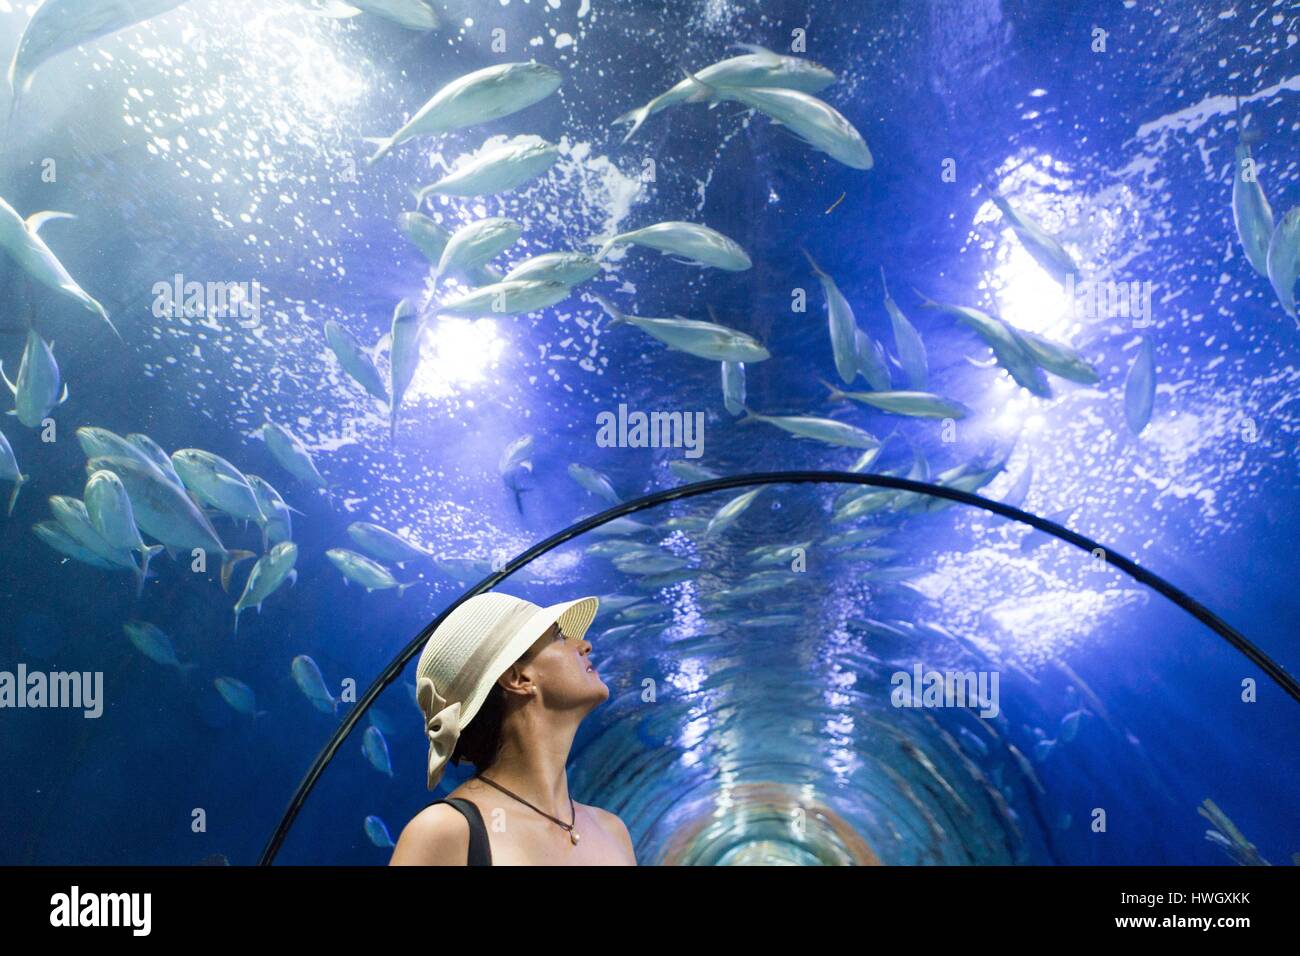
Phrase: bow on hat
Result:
[441,726]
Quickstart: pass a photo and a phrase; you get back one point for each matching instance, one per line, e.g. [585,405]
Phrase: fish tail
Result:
[146,556]
[836,393]
[228,563]
[18,485]
[926,301]
[636,117]
[616,315]
[750,416]
[812,262]
[12,387]
[384,144]
[235,633]
[401,588]
[99,310]
[883,284]
[605,245]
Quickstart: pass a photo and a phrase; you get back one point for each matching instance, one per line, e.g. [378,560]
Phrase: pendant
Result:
[573,835]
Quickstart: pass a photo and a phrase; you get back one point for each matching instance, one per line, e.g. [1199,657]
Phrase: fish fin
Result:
[146,556]
[760,51]
[883,284]
[231,559]
[100,311]
[812,262]
[837,394]
[636,117]
[926,301]
[38,219]
[384,144]
[64,397]
[292,577]
[401,588]
[616,316]
[708,91]
[12,387]
[749,418]
[13,496]
[604,244]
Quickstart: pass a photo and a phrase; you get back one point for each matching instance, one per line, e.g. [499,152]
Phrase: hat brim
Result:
[574,618]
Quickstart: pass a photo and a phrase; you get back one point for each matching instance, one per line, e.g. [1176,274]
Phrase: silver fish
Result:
[1008,347]
[238,695]
[567,268]
[151,450]
[271,570]
[411,14]
[21,239]
[279,522]
[478,97]
[913,404]
[518,454]
[307,675]
[1250,209]
[907,342]
[403,357]
[839,317]
[759,67]
[730,511]
[109,508]
[1140,388]
[354,360]
[58,538]
[1057,358]
[733,387]
[384,545]
[872,364]
[814,121]
[819,429]
[497,167]
[155,645]
[1284,259]
[102,443]
[36,393]
[287,449]
[477,243]
[689,241]
[9,471]
[218,484]
[369,574]
[375,748]
[377,832]
[689,471]
[516,297]
[431,239]
[706,340]
[594,481]
[71,514]
[1045,250]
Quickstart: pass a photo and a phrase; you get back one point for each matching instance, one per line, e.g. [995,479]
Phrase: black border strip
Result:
[1131,568]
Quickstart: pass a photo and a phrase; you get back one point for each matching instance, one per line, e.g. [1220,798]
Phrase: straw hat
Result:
[473,647]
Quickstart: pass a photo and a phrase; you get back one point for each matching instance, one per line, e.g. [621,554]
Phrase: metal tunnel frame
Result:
[1129,567]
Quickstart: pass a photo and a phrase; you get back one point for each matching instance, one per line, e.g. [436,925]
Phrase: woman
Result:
[504,684]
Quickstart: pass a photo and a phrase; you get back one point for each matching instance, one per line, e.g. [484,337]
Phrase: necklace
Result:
[573,834]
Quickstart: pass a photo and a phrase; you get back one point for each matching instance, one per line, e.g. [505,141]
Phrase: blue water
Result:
[224,142]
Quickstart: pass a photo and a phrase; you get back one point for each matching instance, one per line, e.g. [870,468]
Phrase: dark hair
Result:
[480,742]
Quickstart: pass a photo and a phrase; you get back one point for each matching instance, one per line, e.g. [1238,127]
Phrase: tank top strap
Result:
[480,848]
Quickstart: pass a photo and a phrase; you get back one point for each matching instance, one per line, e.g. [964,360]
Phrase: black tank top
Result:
[480,850]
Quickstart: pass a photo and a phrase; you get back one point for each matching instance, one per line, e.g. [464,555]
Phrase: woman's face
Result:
[562,668]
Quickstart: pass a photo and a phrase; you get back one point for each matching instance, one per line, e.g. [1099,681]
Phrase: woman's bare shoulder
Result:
[436,836]
[613,824]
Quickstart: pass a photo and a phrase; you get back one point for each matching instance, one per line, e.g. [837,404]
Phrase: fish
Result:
[1009,348]
[818,429]
[411,14]
[1140,388]
[907,341]
[872,364]
[101,443]
[155,645]
[1015,496]
[291,454]
[689,471]
[778,554]
[733,387]
[706,340]
[218,484]
[153,452]
[1250,209]
[814,121]
[61,25]
[72,516]
[618,547]
[1284,259]
[759,67]
[657,563]
[772,620]
[403,357]
[913,404]
[430,238]
[843,325]
[58,538]
[465,570]
[515,461]
[9,471]
[307,675]
[238,695]
[109,508]
[166,512]
[856,536]
[499,166]
[384,545]
[1058,359]
[516,297]
[622,526]
[1070,726]
[594,481]
[271,570]
[354,360]
[21,239]
[478,97]
[279,522]
[378,833]
[375,748]
[1044,249]
[690,242]
[566,268]
[369,574]
[730,511]
[477,243]
[36,393]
